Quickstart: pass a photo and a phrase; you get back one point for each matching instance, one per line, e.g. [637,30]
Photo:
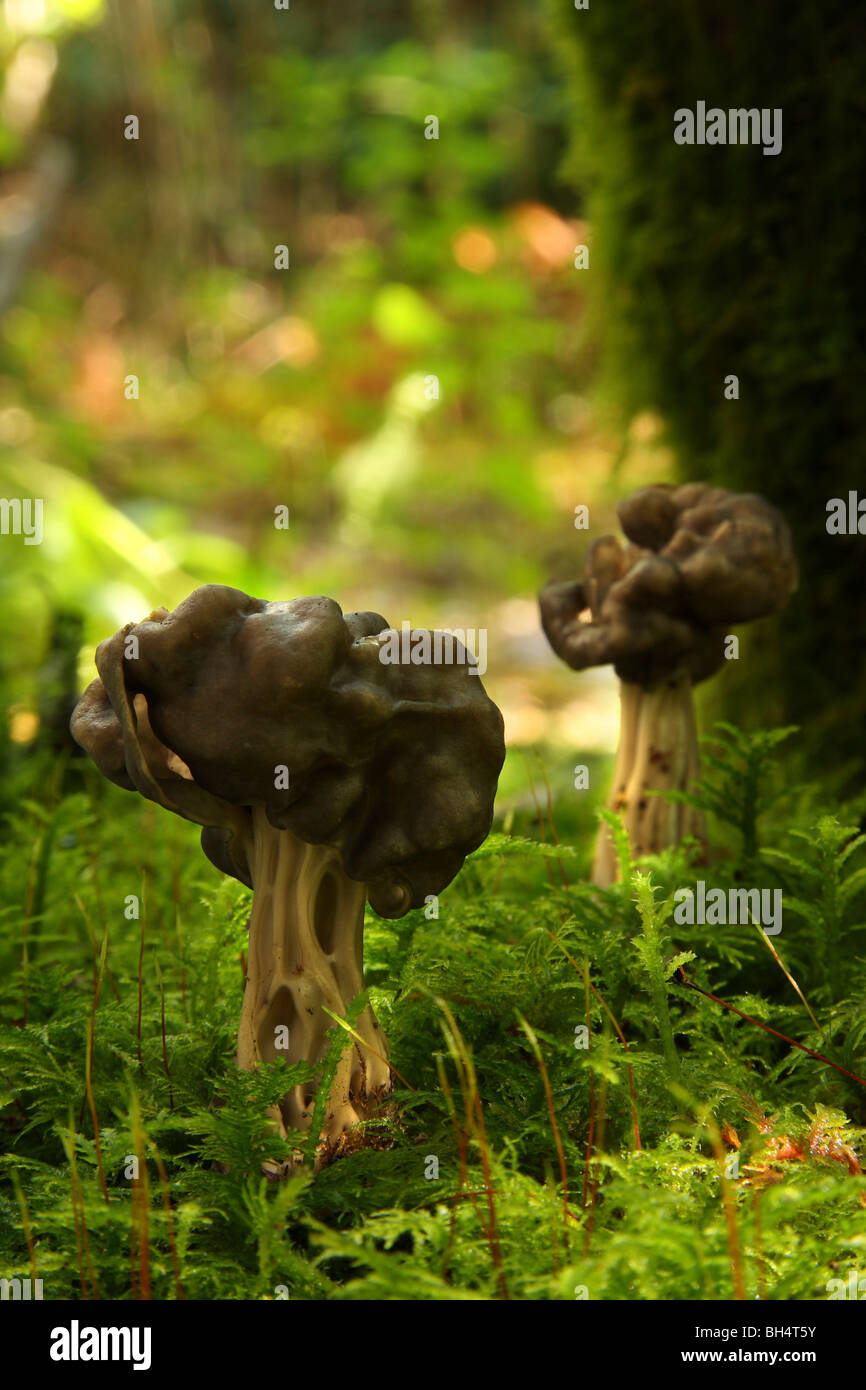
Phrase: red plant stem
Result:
[25,1221]
[730,1218]
[629,1071]
[557,1139]
[620,1034]
[141,1191]
[552,823]
[140,993]
[495,1246]
[88,1081]
[463,1173]
[133,1252]
[164,1048]
[73,1198]
[474,1120]
[169,1218]
[591,1101]
[602,1122]
[82,1240]
[819,1056]
[547,864]
[759,1250]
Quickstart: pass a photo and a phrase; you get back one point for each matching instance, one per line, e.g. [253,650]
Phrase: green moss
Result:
[524,955]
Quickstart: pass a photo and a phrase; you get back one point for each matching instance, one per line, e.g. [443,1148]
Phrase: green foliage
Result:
[650,947]
[824,886]
[541,1189]
[261,388]
[743,783]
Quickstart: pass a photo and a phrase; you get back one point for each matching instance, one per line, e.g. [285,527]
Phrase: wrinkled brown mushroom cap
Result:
[395,766]
[700,560]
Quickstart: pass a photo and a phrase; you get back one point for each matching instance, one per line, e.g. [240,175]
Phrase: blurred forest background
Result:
[412,258]
[409,258]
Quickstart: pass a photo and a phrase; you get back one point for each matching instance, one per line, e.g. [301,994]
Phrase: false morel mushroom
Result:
[322,777]
[699,559]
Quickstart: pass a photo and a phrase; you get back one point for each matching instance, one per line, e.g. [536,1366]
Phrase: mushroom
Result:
[322,776]
[699,559]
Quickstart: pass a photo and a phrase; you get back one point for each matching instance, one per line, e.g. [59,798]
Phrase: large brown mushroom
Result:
[699,560]
[323,776]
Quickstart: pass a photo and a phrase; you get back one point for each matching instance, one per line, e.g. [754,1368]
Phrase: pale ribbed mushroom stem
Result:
[658,751]
[306,950]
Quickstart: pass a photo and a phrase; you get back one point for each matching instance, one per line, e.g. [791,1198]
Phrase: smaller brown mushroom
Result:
[322,777]
[699,560]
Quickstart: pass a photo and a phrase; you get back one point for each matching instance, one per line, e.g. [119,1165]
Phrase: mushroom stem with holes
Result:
[657,753]
[306,951]
[323,776]
[698,560]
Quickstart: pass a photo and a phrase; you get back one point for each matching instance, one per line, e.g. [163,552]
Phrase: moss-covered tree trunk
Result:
[712,261]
